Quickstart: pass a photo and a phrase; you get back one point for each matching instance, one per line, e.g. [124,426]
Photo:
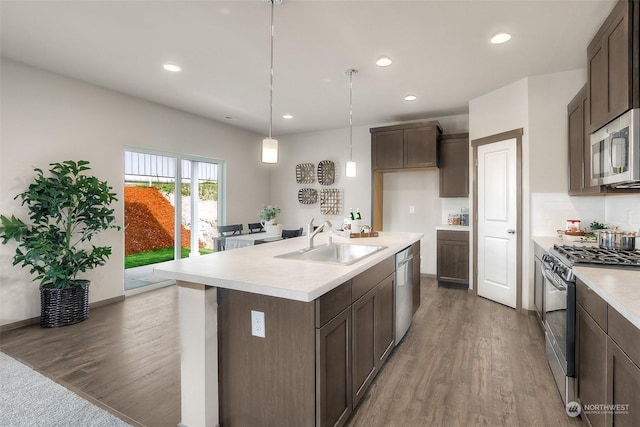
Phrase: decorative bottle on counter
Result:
[351,216]
[358,216]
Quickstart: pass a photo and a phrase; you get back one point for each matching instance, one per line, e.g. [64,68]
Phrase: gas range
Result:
[596,256]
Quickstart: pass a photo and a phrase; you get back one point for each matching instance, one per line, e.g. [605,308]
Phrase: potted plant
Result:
[66,210]
[268,216]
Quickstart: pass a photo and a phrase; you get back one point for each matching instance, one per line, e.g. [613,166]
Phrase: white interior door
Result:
[497,218]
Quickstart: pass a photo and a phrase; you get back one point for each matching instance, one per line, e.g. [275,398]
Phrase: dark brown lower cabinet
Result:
[623,390]
[453,257]
[333,371]
[591,345]
[372,335]
[383,326]
[364,359]
[623,371]
[608,354]
[317,358]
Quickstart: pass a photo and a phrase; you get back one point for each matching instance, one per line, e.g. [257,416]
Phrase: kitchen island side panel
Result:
[266,381]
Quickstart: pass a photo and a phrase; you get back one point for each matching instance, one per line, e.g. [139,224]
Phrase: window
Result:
[172,206]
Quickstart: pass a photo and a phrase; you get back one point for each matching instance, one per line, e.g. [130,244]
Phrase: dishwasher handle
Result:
[404,260]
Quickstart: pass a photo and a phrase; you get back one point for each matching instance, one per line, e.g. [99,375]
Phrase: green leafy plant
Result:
[268,212]
[66,210]
[595,225]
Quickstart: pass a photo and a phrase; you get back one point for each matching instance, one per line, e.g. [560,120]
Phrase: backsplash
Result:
[453,205]
[550,211]
[623,211]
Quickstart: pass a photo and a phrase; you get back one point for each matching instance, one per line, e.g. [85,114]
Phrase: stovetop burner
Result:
[585,255]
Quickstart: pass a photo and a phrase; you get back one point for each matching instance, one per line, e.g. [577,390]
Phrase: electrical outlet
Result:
[257,323]
[412,209]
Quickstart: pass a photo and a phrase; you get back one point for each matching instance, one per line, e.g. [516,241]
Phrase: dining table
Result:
[244,240]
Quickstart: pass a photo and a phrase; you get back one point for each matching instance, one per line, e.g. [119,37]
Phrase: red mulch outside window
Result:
[149,221]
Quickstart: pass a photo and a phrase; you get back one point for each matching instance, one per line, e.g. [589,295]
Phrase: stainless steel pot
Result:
[616,239]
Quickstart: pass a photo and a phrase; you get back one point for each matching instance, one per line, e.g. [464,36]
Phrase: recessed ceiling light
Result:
[171,67]
[287,116]
[410,98]
[383,61]
[500,38]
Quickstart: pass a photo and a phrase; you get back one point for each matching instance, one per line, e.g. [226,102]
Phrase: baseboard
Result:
[451,285]
[107,301]
[36,320]
[153,287]
[19,324]
[428,276]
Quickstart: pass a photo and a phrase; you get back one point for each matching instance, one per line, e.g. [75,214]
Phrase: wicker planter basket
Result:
[63,307]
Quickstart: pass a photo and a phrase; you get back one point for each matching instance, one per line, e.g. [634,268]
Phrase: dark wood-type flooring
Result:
[125,357]
[465,361]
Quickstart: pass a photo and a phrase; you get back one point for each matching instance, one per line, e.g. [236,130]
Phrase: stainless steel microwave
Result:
[615,152]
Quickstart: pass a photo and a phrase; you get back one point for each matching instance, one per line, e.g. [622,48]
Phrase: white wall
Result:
[313,148]
[420,190]
[499,111]
[538,104]
[549,95]
[551,205]
[48,118]
[409,188]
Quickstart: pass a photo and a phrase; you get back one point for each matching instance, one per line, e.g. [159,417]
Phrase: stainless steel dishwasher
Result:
[404,292]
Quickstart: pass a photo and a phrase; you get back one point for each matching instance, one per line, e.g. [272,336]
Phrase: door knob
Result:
[511,231]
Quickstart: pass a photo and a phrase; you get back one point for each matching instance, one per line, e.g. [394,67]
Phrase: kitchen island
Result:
[219,292]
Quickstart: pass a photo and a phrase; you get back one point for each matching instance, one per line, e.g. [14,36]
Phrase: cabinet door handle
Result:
[511,231]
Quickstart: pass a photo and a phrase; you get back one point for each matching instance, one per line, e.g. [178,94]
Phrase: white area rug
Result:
[30,399]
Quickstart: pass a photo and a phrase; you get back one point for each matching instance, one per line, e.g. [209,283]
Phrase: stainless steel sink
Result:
[336,253]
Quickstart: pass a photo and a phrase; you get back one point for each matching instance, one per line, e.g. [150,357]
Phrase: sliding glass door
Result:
[172,204]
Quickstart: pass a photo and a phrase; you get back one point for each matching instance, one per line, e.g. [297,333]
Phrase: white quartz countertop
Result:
[620,288]
[254,269]
[453,227]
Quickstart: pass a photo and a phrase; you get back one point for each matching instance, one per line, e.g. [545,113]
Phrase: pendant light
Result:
[350,170]
[269,144]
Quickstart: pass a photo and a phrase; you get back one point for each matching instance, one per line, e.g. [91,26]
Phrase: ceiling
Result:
[440,51]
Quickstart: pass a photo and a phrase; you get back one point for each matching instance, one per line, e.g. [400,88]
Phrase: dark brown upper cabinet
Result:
[613,71]
[411,145]
[454,165]
[579,155]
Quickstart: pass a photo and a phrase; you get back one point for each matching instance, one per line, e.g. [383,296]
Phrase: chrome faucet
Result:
[311,233]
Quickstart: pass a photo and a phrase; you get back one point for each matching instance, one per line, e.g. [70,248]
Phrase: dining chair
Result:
[230,230]
[255,227]
[287,234]
[225,231]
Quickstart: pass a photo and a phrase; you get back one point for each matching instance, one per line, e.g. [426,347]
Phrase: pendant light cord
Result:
[351,115]
[351,72]
[271,74]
